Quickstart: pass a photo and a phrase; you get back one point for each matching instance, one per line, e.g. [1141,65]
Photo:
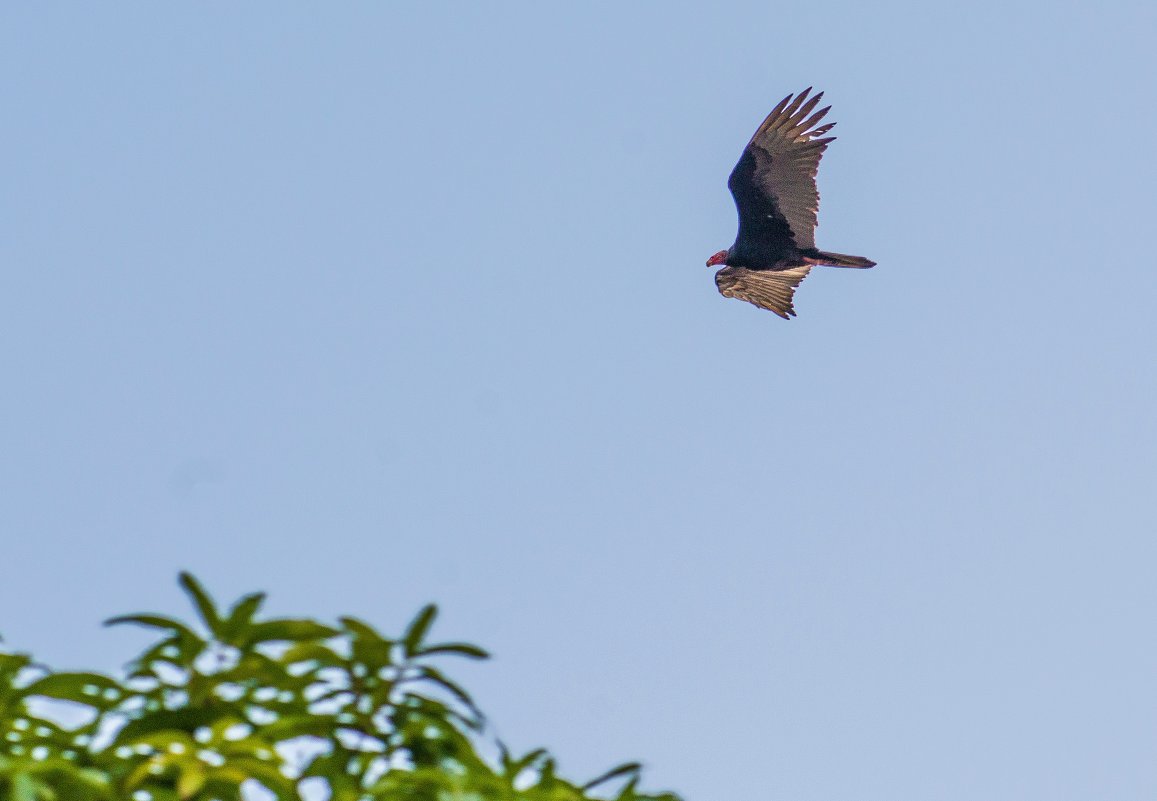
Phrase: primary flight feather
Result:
[774,186]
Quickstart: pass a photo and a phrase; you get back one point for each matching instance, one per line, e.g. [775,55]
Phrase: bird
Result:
[774,187]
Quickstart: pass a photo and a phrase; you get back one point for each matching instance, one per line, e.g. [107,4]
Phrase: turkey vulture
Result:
[774,186]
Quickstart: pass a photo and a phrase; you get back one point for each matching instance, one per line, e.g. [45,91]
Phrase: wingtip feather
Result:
[780,106]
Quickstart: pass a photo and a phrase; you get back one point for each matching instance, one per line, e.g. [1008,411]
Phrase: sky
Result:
[374,304]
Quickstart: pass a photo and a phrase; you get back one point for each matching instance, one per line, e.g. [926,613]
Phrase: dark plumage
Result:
[774,186]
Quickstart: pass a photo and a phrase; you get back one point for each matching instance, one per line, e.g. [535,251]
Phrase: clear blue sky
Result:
[374,305]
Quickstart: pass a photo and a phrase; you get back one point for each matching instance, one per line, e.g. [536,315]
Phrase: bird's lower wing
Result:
[768,289]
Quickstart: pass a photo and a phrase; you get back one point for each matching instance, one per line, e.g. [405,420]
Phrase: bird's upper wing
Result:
[768,289]
[774,183]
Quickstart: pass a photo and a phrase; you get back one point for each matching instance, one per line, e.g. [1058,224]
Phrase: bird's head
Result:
[718,258]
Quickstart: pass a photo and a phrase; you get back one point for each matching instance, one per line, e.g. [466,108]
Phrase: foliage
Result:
[239,707]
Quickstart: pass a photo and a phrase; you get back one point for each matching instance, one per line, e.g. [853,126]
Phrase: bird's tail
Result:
[838,260]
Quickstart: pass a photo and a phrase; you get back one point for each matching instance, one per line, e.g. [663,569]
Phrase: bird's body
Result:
[775,194]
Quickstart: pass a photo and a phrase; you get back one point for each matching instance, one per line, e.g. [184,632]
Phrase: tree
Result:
[237,707]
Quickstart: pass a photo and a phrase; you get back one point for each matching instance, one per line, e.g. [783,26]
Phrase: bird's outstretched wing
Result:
[774,183]
[768,289]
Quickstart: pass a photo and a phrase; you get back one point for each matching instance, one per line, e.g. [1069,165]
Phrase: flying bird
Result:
[774,186]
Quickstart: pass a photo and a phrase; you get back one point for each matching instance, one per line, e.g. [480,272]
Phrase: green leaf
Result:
[91,689]
[626,769]
[513,767]
[11,664]
[546,778]
[291,631]
[366,645]
[162,720]
[201,600]
[240,617]
[155,622]
[317,652]
[192,778]
[362,630]
[23,788]
[141,773]
[175,652]
[418,628]
[459,648]
[165,740]
[454,689]
[290,726]
[629,791]
[266,773]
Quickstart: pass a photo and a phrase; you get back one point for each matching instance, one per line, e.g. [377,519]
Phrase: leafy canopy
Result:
[239,708]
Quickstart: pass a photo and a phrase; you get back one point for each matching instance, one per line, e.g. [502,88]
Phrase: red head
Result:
[718,258]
